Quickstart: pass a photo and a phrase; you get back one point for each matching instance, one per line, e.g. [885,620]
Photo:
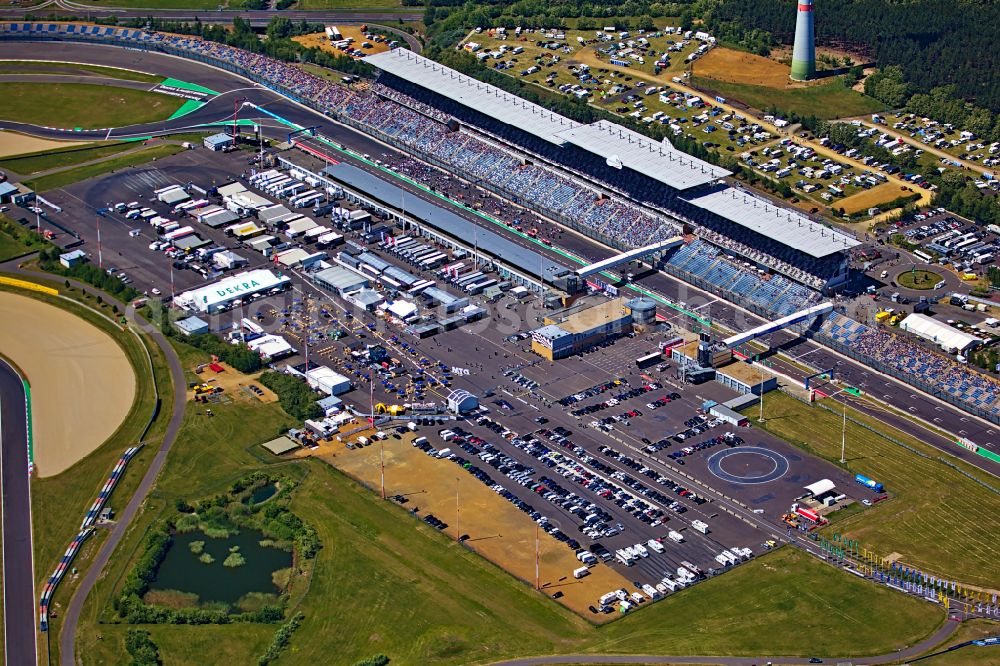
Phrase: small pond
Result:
[182,569]
[263,494]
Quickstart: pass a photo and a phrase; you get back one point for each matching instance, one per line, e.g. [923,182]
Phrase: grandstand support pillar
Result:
[843,437]
[760,388]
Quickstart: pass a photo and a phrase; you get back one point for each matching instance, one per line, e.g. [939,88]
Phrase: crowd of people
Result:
[740,281]
[405,114]
[936,371]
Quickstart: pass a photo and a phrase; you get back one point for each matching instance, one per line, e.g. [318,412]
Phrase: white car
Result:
[155,292]
[866,502]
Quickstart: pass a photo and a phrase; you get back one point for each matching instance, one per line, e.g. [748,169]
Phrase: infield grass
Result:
[917,279]
[54,67]
[934,518]
[83,105]
[63,178]
[823,100]
[13,239]
[31,163]
[972,655]
[60,502]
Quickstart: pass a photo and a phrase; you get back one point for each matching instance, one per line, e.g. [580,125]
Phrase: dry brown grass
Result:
[82,385]
[866,199]
[724,64]
[497,529]
[13,143]
[318,40]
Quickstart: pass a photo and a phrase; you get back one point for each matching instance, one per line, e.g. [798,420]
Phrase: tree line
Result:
[294,395]
[933,42]
[943,103]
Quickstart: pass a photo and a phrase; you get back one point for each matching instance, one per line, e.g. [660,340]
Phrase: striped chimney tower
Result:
[804,51]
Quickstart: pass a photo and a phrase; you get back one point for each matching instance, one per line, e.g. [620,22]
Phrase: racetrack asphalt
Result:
[19,616]
[71,617]
[912,402]
[231,85]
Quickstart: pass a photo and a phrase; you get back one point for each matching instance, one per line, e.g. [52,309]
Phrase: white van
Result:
[581,572]
[363,441]
[419,440]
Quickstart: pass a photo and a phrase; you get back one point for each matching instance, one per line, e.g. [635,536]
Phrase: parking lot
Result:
[608,459]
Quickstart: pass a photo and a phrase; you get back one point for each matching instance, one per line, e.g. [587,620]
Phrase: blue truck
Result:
[869,483]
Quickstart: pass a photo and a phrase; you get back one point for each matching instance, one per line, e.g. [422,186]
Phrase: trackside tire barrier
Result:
[86,529]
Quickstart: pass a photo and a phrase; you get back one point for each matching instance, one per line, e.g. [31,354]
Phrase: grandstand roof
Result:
[623,147]
[444,219]
[479,96]
[778,223]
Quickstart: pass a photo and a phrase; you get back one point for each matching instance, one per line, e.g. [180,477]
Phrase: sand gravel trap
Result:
[82,385]
[13,143]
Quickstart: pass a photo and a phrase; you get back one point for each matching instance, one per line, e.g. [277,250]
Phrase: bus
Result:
[648,360]
[922,255]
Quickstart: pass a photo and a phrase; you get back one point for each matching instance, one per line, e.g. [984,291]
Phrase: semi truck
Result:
[869,483]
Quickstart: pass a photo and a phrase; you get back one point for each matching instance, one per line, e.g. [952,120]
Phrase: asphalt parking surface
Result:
[803,351]
[476,357]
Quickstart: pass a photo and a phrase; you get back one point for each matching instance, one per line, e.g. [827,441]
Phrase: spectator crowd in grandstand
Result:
[389,112]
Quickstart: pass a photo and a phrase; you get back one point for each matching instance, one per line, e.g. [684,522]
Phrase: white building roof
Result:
[271,346]
[324,378]
[293,257]
[948,338]
[622,147]
[301,225]
[231,288]
[482,97]
[781,224]
[231,189]
[820,487]
[402,309]
[249,200]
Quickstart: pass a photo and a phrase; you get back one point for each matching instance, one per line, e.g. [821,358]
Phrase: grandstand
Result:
[727,259]
[623,148]
[904,357]
[671,186]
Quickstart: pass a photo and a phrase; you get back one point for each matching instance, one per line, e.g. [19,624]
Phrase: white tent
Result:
[402,310]
[820,487]
[947,337]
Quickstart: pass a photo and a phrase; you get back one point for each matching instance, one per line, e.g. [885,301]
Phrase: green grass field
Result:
[972,655]
[824,100]
[386,583]
[71,105]
[934,519]
[30,163]
[60,502]
[63,178]
[35,67]
[918,279]
[12,240]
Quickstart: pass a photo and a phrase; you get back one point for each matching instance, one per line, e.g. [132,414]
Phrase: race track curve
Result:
[19,626]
